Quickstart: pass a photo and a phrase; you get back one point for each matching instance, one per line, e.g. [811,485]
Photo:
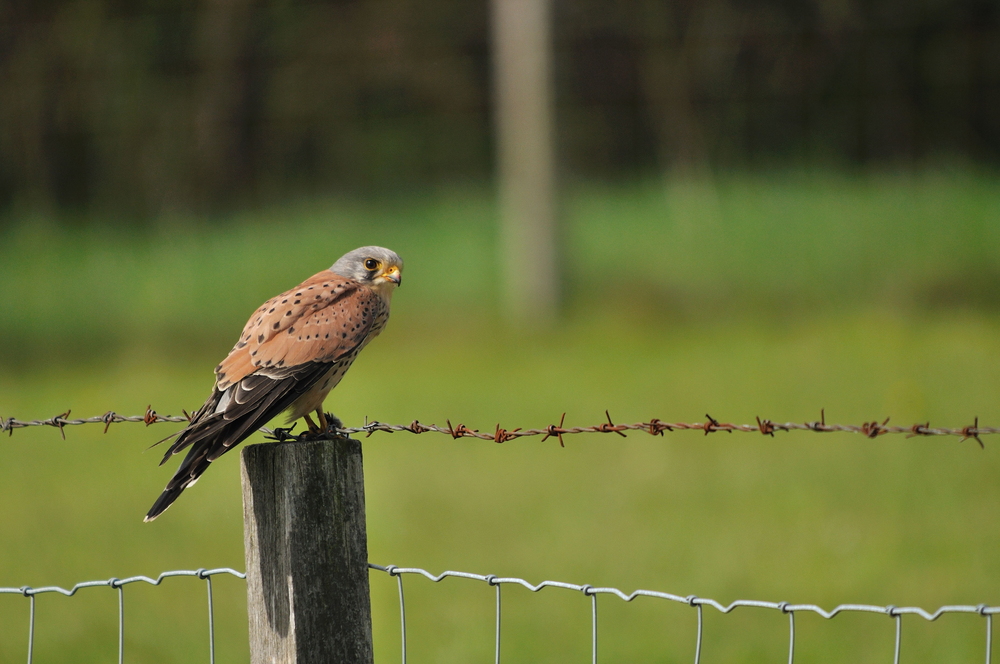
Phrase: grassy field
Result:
[771,296]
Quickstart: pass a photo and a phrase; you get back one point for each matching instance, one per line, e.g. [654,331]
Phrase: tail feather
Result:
[209,434]
[162,503]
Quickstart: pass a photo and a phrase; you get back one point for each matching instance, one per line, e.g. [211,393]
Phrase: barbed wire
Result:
[655,427]
[119,584]
[895,612]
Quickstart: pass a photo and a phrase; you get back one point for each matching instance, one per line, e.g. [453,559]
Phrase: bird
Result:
[294,349]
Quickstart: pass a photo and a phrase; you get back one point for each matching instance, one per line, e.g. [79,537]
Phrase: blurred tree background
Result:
[138,108]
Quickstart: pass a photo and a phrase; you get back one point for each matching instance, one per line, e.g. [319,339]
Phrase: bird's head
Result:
[377,267]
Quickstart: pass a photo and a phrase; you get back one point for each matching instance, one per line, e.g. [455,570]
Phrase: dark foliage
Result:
[140,107]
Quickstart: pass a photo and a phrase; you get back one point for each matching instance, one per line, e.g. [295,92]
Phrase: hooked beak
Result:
[394,275]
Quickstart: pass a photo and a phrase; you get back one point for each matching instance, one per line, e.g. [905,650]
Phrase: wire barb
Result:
[557,431]
[712,425]
[973,432]
[416,427]
[874,429]
[60,421]
[502,435]
[656,427]
[108,418]
[610,427]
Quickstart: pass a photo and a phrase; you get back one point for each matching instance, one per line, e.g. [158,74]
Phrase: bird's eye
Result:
[371,264]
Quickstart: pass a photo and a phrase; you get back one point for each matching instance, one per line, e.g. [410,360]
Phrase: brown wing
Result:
[287,346]
[314,321]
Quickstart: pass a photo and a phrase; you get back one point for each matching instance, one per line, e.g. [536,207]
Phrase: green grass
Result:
[775,245]
[763,315]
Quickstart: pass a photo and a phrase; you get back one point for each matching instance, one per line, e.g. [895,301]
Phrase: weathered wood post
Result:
[306,553]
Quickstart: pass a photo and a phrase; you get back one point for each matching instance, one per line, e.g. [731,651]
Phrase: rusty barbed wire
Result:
[107,419]
[655,427]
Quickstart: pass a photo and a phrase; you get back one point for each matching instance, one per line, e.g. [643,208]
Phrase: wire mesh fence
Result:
[592,592]
[497,582]
[119,585]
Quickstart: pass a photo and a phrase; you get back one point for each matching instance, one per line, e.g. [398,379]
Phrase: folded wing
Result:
[287,346]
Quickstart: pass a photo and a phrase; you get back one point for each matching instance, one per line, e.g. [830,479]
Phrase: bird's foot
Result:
[328,428]
[313,429]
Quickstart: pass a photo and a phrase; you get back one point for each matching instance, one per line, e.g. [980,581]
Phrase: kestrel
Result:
[294,349]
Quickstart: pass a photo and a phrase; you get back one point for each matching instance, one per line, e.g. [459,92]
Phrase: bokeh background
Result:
[763,208]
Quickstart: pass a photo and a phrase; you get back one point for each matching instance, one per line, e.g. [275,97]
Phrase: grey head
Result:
[374,266]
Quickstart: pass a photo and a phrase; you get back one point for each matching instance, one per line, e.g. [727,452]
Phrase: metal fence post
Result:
[306,553]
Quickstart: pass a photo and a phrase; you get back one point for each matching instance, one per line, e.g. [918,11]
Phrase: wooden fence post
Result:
[306,553]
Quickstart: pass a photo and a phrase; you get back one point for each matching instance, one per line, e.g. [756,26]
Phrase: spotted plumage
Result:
[294,349]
